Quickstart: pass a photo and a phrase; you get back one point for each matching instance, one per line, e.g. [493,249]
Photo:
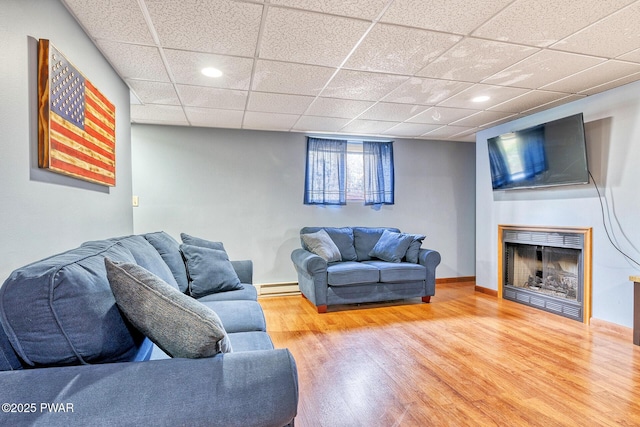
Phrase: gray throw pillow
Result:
[320,243]
[203,243]
[414,248]
[178,324]
[391,246]
[210,271]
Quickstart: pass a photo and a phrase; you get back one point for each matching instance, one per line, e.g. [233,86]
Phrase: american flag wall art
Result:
[76,122]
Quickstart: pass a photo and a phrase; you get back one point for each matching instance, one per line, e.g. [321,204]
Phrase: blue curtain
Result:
[325,180]
[378,173]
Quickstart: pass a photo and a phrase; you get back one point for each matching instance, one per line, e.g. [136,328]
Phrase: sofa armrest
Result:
[430,259]
[244,270]
[256,388]
[312,276]
[308,261]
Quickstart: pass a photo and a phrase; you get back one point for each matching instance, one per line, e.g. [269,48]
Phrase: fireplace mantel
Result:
[584,232]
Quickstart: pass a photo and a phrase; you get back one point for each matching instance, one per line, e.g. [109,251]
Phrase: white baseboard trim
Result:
[277,289]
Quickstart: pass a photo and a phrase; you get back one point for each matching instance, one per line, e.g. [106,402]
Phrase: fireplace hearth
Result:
[544,267]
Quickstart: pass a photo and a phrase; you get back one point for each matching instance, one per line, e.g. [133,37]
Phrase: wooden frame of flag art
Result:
[76,122]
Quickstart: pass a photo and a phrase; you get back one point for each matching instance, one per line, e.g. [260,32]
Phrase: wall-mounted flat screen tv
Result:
[545,155]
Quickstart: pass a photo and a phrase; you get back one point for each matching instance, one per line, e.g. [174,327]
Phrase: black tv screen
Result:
[545,155]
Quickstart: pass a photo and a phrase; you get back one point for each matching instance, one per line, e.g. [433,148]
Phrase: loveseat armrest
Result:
[308,261]
[257,388]
[244,270]
[430,259]
[312,276]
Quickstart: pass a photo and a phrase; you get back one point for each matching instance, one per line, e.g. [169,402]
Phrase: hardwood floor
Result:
[465,359]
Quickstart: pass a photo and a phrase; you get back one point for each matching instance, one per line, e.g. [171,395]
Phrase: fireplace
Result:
[548,268]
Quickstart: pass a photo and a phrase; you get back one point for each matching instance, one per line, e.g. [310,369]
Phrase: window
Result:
[340,170]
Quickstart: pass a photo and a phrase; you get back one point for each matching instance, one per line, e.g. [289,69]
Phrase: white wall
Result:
[42,213]
[245,188]
[612,124]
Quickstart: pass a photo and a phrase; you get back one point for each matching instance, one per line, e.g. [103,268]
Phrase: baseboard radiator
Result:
[278,289]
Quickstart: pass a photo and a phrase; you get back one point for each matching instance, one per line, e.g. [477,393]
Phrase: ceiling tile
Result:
[365,9]
[216,26]
[367,126]
[610,37]
[401,50]
[611,84]
[411,130]
[361,85]
[472,60]
[552,104]
[497,94]
[116,20]
[281,77]
[544,22]
[320,124]
[154,92]
[165,114]
[446,132]
[309,37]
[455,16]
[278,103]
[441,115]
[269,121]
[208,97]
[211,117]
[186,68]
[425,91]
[344,108]
[482,118]
[528,100]
[601,74]
[542,68]
[392,112]
[134,61]
[633,56]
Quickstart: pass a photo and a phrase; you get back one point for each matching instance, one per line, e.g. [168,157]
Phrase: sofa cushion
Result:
[209,270]
[239,316]
[169,250]
[203,243]
[351,272]
[414,248]
[246,292]
[179,325]
[61,311]
[8,359]
[145,255]
[250,341]
[342,237]
[365,238]
[391,246]
[322,245]
[393,272]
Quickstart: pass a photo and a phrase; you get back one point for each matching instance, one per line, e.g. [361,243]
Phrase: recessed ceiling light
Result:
[211,72]
[482,98]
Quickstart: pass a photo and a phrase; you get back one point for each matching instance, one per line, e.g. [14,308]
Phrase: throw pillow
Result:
[197,241]
[414,248]
[320,243]
[391,246]
[178,324]
[210,271]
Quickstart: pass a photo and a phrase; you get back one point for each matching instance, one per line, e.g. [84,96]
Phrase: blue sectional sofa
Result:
[363,264]
[71,355]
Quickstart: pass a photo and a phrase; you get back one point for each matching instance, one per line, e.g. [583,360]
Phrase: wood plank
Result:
[465,359]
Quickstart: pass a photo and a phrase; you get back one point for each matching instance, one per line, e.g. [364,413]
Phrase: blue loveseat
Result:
[69,356]
[367,264]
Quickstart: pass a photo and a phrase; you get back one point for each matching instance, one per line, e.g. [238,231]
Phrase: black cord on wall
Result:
[604,224]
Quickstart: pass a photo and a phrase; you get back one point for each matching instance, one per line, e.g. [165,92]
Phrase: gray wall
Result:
[40,212]
[612,125]
[244,188]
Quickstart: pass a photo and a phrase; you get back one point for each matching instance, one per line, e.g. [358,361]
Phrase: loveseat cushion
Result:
[342,237]
[61,311]
[392,272]
[365,238]
[169,250]
[178,324]
[351,272]
[414,248]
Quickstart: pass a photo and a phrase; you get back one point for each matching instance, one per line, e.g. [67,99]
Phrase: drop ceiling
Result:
[390,68]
